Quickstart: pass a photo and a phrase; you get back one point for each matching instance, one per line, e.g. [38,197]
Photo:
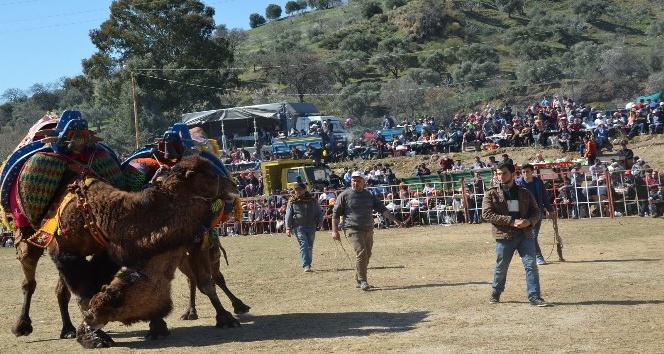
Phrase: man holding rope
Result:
[356,205]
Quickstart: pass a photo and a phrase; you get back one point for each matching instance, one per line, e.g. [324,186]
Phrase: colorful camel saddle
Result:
[46,174]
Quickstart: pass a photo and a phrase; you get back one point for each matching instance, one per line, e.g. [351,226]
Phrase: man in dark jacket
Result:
[303,214]
[512,210]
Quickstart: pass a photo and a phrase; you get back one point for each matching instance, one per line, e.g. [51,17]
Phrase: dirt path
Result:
[432,288]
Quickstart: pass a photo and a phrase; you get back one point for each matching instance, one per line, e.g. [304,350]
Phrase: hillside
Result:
[436,57]
[649,147]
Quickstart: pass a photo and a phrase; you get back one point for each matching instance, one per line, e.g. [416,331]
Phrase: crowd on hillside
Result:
[558,122]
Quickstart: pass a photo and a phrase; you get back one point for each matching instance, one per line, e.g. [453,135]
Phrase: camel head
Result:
[195,175]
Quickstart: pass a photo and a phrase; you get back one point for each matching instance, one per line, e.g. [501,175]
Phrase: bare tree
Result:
[302,72]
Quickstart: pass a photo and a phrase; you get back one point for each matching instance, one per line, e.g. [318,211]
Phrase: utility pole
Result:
[133,85]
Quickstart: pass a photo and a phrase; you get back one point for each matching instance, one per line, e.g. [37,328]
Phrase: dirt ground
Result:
[432,286]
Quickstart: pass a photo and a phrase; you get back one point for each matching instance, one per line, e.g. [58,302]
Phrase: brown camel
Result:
[196,266]
[148,233]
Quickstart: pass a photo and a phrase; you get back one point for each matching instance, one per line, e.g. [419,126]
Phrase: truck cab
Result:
[285,174]
[338,130]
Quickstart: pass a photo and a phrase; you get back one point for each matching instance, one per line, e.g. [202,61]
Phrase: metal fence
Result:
[575,195]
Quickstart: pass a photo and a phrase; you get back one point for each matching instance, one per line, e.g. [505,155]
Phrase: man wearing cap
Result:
[356,205]
[303,215]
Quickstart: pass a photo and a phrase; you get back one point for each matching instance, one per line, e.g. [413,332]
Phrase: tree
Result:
[346,66]
[256,20]
[510,6]
[301,71]
[473,75]
[425,76]
[157,40]
[357,100]
[292,7]
[371,8]
[393,4]
[402,96]
[273,12]
[590,10]
[323,4]
[537,71]
[392,56]
[360,41]
[439,61]
[477,53]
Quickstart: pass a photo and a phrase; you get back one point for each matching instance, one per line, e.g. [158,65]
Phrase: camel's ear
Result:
[189,174]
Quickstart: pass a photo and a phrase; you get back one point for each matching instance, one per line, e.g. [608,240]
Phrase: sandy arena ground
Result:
[432,286]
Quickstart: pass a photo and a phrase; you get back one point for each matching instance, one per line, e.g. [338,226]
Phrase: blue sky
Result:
[44,40]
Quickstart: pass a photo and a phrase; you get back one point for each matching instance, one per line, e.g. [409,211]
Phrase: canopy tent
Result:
[249,119]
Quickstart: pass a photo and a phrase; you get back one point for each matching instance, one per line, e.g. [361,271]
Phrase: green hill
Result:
[437,57]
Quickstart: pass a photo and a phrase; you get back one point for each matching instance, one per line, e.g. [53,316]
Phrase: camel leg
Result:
[191,313]
[64,295]
[29,256]
[239,307]
[201,266]
[158,329]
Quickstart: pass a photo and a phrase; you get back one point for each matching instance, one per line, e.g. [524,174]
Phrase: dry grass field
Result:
[431,296]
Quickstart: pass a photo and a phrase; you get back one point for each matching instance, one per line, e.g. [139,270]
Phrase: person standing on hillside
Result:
[303,215]
[512,210]
[590,150]
[356,205]
[535,185]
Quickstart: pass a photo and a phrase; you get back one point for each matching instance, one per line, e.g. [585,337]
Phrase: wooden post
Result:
[133,84]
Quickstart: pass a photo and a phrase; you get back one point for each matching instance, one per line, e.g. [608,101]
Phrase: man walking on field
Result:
[512,210]
[356,205]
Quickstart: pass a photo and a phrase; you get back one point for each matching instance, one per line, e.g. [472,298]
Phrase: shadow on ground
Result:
[292,326]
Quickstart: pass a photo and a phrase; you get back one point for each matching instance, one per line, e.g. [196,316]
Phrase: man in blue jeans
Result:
[304,215]
[512,211]
[535,185]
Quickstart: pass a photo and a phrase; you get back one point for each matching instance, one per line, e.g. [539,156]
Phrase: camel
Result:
[148,232]
[196,266]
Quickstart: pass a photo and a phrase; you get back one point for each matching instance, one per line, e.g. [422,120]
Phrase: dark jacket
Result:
[303,211]
[494,210]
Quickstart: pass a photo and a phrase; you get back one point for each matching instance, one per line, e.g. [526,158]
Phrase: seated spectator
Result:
[539,158]
[657,120]
[597,170]
[422,170]
[458,166]
[478,164]
[428,189]
[492,163]
[601,135]
[656,202]
[564,139]
[445,163]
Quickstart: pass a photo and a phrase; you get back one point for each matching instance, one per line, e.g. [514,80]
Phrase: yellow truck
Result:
[284,174]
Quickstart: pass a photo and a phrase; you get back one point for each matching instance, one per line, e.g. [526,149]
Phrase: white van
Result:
[304,123]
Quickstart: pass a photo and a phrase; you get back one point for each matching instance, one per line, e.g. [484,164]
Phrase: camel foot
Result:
[189,315]
[68,332]
[23,326]
[226,320]
[158,329]
[93,338]
[239,307]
